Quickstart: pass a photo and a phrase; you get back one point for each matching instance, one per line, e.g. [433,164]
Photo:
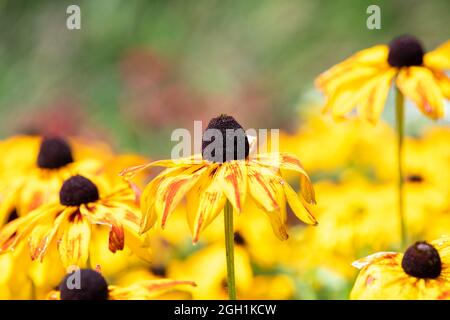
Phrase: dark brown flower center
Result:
[84,284]
[224,140]
[54,153]
[78,190]
[239,239]
[422,260]
[159,270]
[405,51]
[414,178]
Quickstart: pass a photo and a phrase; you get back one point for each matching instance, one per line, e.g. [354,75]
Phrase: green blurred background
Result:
[138,69]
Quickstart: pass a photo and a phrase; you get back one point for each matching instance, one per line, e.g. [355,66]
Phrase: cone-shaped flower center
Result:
[54,153]
[224,140]
[239,239]
[78,190]
[159,270]
[414,178]
[405,51]
[422,260]
[84,284]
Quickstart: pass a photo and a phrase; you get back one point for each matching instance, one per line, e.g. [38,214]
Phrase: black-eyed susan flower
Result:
[224,178]
[364,80]
[207,184]
[33,170]
[66,226]
[93,286]
[421,273]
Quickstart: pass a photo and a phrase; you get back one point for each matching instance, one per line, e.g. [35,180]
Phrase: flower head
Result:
[422,272]
[84,204]
[33,170]
[224,173]
[93,286]
[363,80]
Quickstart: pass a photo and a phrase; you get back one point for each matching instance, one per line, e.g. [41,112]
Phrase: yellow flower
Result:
[207,183]
[364,80]
[207,267]
[92,286]
[68,225]
[422,272]
[33,170]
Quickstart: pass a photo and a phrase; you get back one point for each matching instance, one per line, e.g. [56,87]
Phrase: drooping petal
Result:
[372,105]
[44,232]
[232,177]
[73,243]
[345,99]
[138,244]
[444,83]
[438,59]
[419,85]
[300,208]
[263,186]
[172,190]
[147,201]
[204,203]
[18,229]
[286,161]
[371,57]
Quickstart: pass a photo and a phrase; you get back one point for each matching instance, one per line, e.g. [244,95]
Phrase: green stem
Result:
[229,248]
[400,121]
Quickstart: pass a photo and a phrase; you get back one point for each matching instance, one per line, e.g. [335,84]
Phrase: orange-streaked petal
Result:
[372,105]
[18,229]
[116,240]
[129,173]
[263,186]
[300,208]
[44,232]
[172,190]
[444,83]
[204,203]
[232,177]
[73,244]
[419,85]
[286,161]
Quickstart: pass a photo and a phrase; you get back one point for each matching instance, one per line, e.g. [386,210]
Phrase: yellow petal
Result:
[205,202]
[372,105]
[301,210]
[44,232]
[419,85]
[372,57]
[438,59]
[73,244]
[263,186]
[172,190]
[18,229]
[129,173]
[146,290]
[138,244]
[232,177]
[444,83]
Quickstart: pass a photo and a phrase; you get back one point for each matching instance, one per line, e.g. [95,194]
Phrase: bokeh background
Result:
[138,69]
